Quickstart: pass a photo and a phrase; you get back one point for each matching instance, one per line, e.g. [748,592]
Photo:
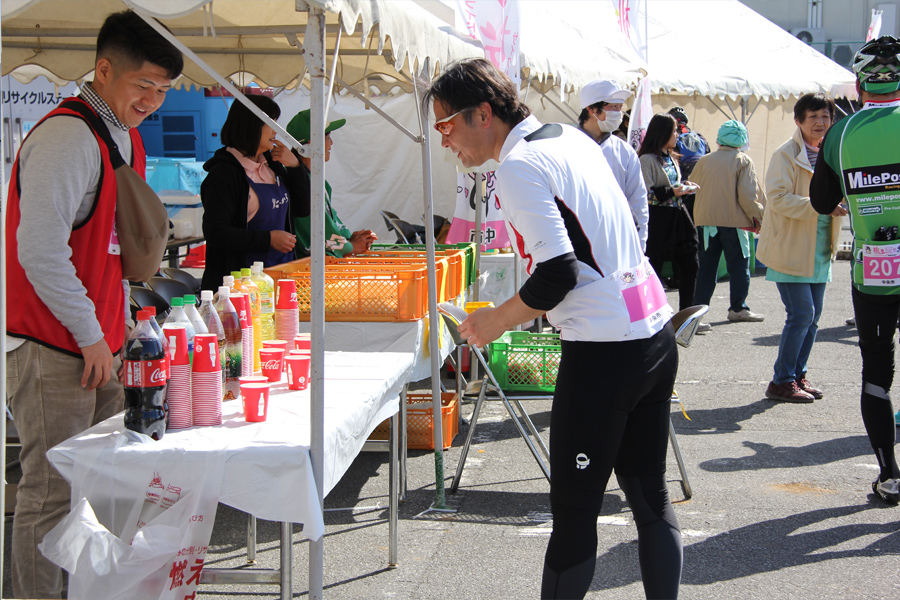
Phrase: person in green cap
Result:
[339,240]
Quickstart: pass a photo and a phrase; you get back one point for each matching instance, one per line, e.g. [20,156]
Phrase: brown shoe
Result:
[803,384]
[788,392]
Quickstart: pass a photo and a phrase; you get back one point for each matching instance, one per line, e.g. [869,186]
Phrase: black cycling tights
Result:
[611,410]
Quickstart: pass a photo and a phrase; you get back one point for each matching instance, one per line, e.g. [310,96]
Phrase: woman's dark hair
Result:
[659,132]
[127,41]
[811,103]
[585,115]
[468,83]
[242,129]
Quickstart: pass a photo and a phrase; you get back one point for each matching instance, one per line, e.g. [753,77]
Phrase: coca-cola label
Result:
[145,373]
[271,365]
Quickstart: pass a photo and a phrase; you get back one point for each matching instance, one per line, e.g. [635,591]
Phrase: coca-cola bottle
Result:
[146,410]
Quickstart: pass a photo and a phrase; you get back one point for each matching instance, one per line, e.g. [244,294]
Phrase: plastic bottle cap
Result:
[151,310]
[245,272]
[228,281]
[206,295]
[177,302]
[259,264]
[224,290]
[236,274]
[256,269]
[190,299]
[143,315]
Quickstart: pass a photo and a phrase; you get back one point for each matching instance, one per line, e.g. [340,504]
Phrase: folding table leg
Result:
[287,564]
[530,424]
[685,483]
[393,491]
[454,485]
[251,539]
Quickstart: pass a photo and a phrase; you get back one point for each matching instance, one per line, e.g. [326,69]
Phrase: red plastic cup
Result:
[253,379]
[271,362]
[242,306]
[206,353]
[255,398]
[298,372]
[302,343]
[275,344]
[298,353]
[178,347]
[285,294]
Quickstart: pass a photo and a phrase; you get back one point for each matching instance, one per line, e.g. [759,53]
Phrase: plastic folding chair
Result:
[169,288]
[489,387]
[141,296]
[387,216]
[406,232]
[685,323]
[182,276]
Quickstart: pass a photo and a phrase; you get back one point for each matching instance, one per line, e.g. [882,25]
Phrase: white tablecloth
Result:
[386,337]
[266,468]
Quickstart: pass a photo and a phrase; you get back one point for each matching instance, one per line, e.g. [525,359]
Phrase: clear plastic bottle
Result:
[232,327]
[252,290]
[213,323]
[266,300]
[190,309]
[228,282]
[177,316]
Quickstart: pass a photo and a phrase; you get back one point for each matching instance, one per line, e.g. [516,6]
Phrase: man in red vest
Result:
[68,303]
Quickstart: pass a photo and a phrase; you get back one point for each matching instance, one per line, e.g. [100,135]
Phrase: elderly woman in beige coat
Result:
[730,200]
[797,245]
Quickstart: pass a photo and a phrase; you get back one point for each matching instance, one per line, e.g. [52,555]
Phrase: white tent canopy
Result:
[236,36]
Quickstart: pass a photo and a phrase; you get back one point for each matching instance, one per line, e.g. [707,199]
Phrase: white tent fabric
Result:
[722,48]
[245,36]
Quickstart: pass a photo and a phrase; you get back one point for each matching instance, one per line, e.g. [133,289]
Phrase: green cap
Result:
[236,274]
[177,302]
[245,273]
[190,299]
[299,126]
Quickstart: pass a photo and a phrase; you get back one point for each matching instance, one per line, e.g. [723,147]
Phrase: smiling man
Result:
[66,325]
[572,225]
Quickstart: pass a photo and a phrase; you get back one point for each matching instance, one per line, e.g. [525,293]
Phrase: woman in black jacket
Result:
[247,195]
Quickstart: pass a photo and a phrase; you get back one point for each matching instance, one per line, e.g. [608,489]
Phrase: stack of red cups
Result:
[287,317]
[206,381]
[178,392]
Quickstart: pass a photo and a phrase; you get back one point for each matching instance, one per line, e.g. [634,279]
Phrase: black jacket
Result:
[224,193]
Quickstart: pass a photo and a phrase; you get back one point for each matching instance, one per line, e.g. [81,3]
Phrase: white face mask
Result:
[612,122]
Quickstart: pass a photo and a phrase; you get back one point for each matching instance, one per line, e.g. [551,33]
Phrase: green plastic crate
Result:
[469,247]
[526,362]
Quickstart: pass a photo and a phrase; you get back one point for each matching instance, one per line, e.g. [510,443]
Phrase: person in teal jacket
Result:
[339,240]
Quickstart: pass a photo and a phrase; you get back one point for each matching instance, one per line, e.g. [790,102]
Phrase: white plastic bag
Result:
[141,520]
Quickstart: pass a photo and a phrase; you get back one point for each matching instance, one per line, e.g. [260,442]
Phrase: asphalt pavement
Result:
[782,504]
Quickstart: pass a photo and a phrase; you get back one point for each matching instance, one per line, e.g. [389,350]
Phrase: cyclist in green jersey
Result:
[860,161]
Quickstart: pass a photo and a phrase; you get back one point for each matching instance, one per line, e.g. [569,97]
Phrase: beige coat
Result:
[787,241]
[730,194]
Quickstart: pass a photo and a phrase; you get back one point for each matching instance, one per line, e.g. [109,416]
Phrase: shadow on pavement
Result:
[717,420]
[767,456]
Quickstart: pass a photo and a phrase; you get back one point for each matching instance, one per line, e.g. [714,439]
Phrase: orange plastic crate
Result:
[456,258]
[361,294]
[420,421]
[449,272]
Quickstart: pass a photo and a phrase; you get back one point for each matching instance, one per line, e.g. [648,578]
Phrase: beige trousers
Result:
[49,406]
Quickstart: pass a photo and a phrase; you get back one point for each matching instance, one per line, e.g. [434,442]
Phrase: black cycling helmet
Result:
[679,115]
[877,65]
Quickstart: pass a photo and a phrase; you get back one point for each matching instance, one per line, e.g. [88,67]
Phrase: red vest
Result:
[99,271]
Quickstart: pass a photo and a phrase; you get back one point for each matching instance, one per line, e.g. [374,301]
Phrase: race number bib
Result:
[643,295]
[881,265]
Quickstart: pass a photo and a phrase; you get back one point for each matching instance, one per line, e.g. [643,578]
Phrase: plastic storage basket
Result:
[420,421]
[525,362]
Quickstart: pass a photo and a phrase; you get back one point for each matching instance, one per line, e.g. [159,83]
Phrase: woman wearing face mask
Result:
[247,195]
[601,116]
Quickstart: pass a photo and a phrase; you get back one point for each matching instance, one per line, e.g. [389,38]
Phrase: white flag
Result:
[641,113]
[627,17]
[874,26]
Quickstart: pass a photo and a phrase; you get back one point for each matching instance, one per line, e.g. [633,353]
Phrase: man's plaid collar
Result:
[100,106]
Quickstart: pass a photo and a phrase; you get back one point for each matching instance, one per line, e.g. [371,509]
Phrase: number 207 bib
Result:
[881,265]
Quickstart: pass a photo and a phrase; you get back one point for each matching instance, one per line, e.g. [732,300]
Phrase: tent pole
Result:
[314,45]
[384,115]
[3,211]
[434,319]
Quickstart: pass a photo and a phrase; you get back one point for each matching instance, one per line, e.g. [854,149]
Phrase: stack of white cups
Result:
[206,381]
[178,392]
